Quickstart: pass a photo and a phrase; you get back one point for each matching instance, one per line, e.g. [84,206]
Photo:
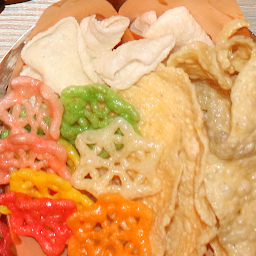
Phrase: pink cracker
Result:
[44,104]
[31,151]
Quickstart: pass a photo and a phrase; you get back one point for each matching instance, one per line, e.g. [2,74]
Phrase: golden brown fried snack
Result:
[170,115]
[225,86]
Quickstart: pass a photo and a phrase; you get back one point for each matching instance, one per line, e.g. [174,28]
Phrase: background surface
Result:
[17,18]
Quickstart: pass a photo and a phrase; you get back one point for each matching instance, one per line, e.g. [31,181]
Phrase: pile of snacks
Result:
[130,135]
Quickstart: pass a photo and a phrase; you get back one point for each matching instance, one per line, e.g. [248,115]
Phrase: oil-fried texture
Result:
[171,115]
[225,193]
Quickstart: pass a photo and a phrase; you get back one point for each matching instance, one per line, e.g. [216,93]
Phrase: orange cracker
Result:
[112,226]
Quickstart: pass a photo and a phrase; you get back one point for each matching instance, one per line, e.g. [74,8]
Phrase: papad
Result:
[170,115]
[230,189]
[225,190]
[223,76]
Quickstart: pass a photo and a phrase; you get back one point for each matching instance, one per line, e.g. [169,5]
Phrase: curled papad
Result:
[171,116]
[224,76]
[226,89]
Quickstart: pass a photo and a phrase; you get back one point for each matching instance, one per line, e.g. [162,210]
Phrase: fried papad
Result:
[170,115]
[230,189]
[227,184]
[224,76]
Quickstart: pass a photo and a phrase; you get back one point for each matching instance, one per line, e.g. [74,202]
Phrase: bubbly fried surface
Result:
[225,86]
[168,95]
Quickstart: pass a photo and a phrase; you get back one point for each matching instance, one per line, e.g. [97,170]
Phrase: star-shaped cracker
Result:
[117,159]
